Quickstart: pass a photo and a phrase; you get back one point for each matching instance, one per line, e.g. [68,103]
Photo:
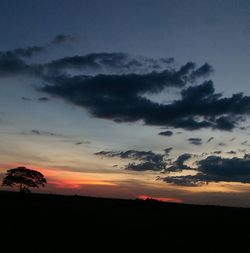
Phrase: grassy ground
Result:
[54,223]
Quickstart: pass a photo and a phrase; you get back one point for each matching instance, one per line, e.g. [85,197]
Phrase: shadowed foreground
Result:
[54,223]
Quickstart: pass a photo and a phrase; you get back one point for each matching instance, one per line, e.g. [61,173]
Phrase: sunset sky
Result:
[128,99]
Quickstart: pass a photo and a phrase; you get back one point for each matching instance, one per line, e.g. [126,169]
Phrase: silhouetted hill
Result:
[56,223]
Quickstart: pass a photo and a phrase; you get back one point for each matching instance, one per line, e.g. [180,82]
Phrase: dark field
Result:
[54,223]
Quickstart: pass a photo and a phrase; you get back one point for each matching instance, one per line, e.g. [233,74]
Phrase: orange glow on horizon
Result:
[174,200]
[65,179]
[76,184]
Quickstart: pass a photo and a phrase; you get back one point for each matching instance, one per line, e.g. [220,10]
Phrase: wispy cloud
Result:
[195,141]
[37,132]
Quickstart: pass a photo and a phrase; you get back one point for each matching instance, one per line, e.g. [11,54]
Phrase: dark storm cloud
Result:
[182,180]
[119,98]
[179,164]
[148,156]
[13,61]
[24,52]
[146,166]
[149,161]
[120,95]
[183,158]
[216,169]
[214,165]
[201,100]
[166,133]
[195,141]
[115,63]
[132,84]
[96,61]
[31,51]
[226,123]
[12,64]
[204,71]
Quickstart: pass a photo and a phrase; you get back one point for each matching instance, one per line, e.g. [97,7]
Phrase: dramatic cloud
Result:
[14,62]
[119,98]
[150,161]
[166,133]
[203,71]
[179,164]
[112,63]
[23,52]
[147,156]
[146,166]
[216,169]
[195,141]
[97,61]
[117,86]
[183,180]
[214,165]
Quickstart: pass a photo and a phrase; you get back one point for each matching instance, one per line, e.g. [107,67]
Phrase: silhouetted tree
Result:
[24,178]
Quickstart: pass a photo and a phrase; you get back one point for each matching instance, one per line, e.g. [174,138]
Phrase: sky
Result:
[128,99]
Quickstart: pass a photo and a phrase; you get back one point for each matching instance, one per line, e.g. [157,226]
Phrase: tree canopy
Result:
[24,179]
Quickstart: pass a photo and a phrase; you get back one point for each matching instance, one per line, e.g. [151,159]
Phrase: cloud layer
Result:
[148,160]
[215,169]
[117,86]
[121,98]
[210,169]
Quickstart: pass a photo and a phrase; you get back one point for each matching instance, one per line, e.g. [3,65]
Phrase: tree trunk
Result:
[21,186]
